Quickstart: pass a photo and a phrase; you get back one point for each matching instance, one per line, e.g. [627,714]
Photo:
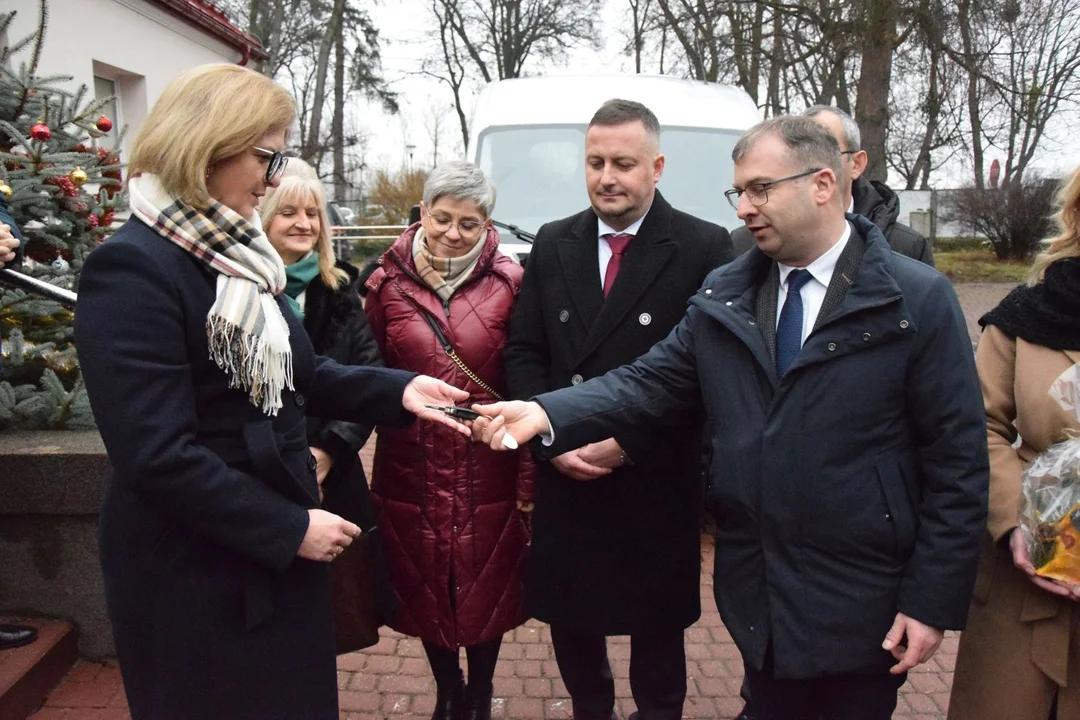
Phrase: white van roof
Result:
[573,99]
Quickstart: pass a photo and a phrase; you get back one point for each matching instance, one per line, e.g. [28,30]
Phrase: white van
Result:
[528,135]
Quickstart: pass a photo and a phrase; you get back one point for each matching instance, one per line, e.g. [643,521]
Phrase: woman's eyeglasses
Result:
[466,228]
[277,163]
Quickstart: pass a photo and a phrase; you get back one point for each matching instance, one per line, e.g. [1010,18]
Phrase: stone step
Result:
[30,672]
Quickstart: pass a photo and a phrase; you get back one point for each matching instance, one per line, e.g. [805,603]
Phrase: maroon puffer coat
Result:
[454,537]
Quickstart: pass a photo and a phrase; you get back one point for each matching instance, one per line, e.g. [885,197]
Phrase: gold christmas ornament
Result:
[5,190]
[78,177]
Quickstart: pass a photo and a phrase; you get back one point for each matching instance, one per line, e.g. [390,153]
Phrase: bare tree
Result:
[306,40]
[872,109]
[643,22]
[1023,62]
[449,66]
[1015,219]
[337,123]
[434,121]
[311,145]
[393,194]
[926,128]
[499,37]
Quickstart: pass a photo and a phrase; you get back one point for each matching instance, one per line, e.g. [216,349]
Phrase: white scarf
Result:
[246,332]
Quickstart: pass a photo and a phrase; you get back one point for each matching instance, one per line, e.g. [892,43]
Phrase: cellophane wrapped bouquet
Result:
[1050,516]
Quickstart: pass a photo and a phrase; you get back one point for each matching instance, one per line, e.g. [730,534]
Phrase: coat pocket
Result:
[901,512]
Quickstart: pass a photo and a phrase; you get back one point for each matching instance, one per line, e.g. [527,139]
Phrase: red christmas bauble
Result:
[40,132]
[103,124]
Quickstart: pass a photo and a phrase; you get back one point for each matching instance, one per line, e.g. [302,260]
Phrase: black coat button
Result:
[564,315]
[312,463]
[300,400]
[576,380]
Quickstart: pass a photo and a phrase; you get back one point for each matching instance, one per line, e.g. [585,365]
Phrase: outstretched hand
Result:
[424,390]
[522,421]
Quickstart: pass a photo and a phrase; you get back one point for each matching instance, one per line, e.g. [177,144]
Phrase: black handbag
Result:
[357,574]
[352,589]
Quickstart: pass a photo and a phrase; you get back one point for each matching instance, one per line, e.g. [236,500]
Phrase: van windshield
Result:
[539,172]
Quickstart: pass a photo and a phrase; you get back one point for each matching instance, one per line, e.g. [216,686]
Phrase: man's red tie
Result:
[617,242]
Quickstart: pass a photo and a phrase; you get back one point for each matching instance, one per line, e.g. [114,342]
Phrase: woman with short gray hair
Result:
[454,515]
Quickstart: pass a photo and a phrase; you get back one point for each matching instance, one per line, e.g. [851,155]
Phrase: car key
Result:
[463,413]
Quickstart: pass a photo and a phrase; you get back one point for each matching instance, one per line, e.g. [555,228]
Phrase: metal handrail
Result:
[371,227]
[359,232]
[29,284]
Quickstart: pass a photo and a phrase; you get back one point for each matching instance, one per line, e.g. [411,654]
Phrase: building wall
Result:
[135,44]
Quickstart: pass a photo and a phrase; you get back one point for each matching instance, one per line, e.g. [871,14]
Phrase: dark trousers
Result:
[657,673]
[834,697]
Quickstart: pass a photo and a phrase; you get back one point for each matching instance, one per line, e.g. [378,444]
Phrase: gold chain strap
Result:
[472,376]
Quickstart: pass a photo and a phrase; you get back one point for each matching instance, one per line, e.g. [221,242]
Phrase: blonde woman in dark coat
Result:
[213,547]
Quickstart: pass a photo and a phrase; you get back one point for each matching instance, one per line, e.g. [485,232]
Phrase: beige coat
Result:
[1022,644]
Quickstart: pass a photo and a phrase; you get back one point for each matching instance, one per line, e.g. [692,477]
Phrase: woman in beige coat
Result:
[1020,655]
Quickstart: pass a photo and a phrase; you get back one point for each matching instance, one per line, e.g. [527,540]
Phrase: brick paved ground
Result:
[976,299]
[392,679]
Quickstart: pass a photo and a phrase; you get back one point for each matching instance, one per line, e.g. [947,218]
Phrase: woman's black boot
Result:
[450,700]
[478,703]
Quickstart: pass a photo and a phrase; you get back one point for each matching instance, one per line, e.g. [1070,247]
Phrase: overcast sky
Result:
[408,36]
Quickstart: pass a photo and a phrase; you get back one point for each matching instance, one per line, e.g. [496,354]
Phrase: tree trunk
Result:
[333,28]
[776,63]
[337,124]
[872,103]
[974,110]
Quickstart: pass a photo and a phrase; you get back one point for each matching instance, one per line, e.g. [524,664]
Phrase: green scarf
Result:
[297,278]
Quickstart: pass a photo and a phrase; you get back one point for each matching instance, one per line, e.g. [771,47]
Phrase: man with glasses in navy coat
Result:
[849,462]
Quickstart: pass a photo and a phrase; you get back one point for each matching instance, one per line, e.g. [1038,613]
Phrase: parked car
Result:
[528,135]
[340,216]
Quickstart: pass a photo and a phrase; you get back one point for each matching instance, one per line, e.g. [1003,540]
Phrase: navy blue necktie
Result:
[789,329]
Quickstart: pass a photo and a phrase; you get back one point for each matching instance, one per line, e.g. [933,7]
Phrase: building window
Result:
[105,88]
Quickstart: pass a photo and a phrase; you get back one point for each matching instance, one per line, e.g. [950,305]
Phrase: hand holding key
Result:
[462,413]
[512,420]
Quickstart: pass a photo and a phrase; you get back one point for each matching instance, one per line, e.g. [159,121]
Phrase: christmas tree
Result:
[62,190]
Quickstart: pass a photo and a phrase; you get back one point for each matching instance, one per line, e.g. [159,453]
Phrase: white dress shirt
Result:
[603,249]
[603,252]
[813,292]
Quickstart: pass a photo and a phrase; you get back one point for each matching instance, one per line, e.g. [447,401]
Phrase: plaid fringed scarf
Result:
[247,334]
[444,275]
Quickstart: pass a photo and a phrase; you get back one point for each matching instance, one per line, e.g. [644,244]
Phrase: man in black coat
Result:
[872,199]
[11,636]
[849,463]
[619,555]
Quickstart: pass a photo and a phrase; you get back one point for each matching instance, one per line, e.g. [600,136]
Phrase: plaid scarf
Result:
[246,332]
[444,275]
